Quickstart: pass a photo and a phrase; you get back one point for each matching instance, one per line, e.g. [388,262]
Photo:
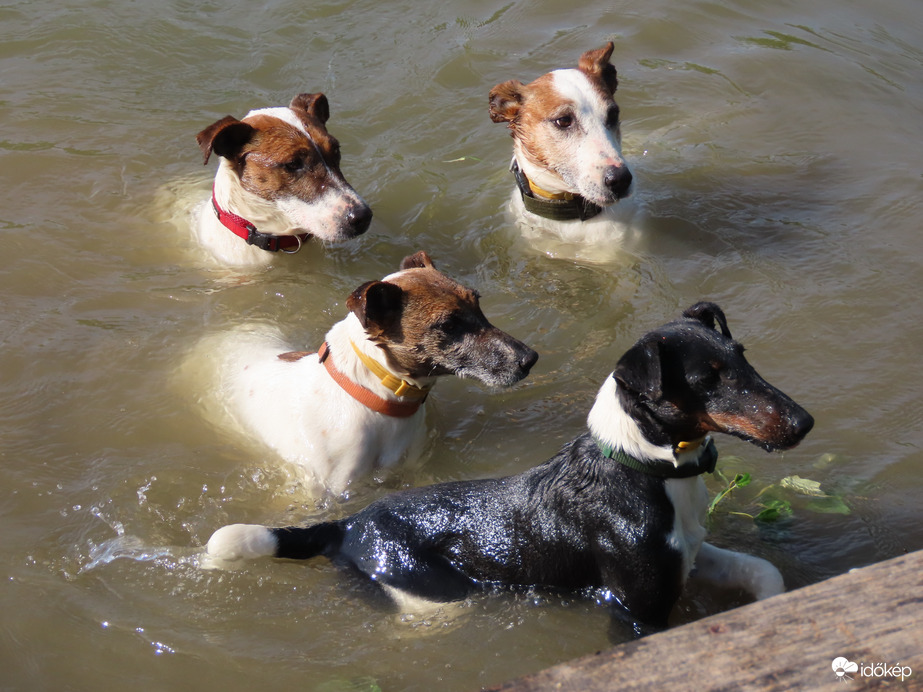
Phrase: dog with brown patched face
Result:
[567,156]
[278,184]
[357,404]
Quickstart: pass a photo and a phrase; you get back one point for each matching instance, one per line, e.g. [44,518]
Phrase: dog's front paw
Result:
[767,580]
[241,542]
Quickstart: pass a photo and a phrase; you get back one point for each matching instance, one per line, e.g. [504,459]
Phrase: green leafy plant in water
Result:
[771,506]
[741,480]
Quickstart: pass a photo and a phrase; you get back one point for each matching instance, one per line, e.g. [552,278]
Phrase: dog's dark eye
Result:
[728,374]
[612,117]
[451,324]
[294,165]
[455,324]
[564,122]
[334,155]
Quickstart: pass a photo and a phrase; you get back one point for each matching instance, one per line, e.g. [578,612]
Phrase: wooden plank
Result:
[872,615]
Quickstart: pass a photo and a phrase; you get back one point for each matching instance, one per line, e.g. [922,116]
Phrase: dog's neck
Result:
[231,197]
[548,183]
[546,195]
[613,428]
[346,338]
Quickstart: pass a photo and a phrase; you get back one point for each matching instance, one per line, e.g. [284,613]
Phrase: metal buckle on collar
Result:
[292,252]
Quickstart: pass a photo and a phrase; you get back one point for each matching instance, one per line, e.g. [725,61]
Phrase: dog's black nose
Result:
[359,218]
[528,360]
[618,179]
[802,422]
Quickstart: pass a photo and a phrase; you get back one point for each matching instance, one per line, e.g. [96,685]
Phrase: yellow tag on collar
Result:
[689,446]
[394,383]
[540,192]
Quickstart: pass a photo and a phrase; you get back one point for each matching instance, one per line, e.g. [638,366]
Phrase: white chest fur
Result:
[690,501]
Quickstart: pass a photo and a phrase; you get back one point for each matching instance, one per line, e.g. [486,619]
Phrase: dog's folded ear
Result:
[708,314]
[225,137]
[418,260]
[596,63]
[505,100]
[315,105]
[639,371]
[378,305]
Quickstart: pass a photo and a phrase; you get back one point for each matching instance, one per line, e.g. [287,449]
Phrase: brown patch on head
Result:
[418,260]
[427,325]
[281,161]
[596,66]
[527,108]
[310,107]
[272,158]
[378,306]
[761,426]
[537,114]
[224,137]
[407,315]
[505,100]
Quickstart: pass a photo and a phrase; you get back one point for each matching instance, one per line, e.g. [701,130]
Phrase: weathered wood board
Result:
[871,616]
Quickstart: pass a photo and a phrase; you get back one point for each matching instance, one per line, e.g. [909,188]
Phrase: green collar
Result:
[564,209]
[664,469]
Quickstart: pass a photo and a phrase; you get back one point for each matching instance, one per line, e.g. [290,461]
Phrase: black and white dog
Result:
[620,509]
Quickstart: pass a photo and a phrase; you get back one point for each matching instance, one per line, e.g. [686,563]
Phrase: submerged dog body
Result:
[357,404]
[620,509]
[567,156]
[278,183]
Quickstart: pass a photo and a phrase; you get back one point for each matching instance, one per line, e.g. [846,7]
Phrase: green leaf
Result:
[829,504]
[804,486]
[769,514]
[742,480]
[774,510]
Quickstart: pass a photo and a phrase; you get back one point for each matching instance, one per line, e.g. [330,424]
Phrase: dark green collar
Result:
[664,469]
[555,209]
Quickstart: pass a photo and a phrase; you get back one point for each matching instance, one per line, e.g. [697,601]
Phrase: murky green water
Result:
[778,150]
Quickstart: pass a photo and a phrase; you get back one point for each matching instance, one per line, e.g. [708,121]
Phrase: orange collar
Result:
[366,397]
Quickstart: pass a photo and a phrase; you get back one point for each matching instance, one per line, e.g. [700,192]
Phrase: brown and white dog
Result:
[567,156]
[357,404]
[278,183]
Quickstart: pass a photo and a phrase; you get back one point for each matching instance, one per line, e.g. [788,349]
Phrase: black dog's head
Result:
[687,378]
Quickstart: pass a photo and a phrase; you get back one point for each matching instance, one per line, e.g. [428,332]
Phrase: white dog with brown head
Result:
[278,184]
[567,155]
[356,405]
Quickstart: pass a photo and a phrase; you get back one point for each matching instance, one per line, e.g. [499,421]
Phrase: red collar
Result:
[366,397]
[242,228]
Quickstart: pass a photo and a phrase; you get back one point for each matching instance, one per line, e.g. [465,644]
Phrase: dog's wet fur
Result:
[417,324]
[581,521]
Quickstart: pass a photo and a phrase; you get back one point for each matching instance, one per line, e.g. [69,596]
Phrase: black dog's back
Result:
[575,522]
